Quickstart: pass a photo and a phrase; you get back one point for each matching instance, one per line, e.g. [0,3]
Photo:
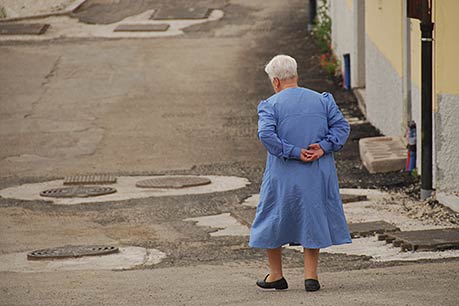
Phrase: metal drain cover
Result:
[173,182]
[72,252]
[90,179]
[77,192]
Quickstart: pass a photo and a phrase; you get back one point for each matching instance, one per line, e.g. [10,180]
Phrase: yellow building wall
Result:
[383,25]
[349,4]
[446,46]
[446,49]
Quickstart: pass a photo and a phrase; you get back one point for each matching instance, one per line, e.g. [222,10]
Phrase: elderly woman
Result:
[299,198]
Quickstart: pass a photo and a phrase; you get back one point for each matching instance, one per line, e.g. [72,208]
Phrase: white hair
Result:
[282,67]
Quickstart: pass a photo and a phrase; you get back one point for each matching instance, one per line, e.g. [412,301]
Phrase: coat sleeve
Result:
[267,133]
[338,127]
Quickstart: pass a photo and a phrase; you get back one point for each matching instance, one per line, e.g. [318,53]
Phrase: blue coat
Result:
[300,202]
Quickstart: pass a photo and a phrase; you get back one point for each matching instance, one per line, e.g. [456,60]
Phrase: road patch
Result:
[181,13]
[127,258]
[125,189]
[226,224]
[173,182]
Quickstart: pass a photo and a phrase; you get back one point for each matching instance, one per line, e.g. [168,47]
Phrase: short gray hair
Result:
[282,67]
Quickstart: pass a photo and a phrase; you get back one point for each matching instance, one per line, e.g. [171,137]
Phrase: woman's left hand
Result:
[314,152]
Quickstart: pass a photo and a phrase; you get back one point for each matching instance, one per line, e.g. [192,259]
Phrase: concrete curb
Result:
[449,200]
[359,93]
[68,11]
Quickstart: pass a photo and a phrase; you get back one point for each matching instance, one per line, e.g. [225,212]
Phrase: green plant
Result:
[329,62]
[322,36]
[322,30]
[2,12]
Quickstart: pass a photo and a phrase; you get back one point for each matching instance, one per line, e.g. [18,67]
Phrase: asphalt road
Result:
[183,104]
[423,284]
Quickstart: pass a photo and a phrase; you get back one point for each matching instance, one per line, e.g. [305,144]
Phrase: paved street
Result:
[184,104]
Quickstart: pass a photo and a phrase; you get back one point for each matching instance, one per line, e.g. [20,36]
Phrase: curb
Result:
[69,10]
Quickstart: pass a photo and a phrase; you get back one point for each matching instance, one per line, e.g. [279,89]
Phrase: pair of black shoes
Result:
[281,284]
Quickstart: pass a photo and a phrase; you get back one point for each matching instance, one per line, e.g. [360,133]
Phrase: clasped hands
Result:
[312,153]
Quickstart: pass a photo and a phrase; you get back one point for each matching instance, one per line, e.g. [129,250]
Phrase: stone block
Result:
[350,198]
[365,229]
[383,154]
[425,240]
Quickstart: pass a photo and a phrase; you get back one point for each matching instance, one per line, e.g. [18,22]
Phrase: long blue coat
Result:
[300,202]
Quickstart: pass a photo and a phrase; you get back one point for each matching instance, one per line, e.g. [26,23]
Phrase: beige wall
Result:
[446,107]
[446,18]
[384,31]
[446,48]
[383,25]
[384,76]
[384,66]
[342,24]
[348,36]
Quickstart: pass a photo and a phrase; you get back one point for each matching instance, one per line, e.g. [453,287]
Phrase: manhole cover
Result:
[181,13]
[23,28]
[77,192]
[173,182]
[72,252]
[161,27]
[89,179]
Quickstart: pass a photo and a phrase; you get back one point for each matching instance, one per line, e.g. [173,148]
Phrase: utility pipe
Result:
[312,14]
[426,100]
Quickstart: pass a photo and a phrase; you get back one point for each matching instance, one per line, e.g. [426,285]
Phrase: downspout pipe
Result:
[426,100]
[312,14]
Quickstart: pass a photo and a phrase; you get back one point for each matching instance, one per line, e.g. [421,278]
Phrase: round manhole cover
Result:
[173,182]
[72,252]
[77,192]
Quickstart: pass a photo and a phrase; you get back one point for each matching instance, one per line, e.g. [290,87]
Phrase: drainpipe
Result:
[312,14]
[426,99]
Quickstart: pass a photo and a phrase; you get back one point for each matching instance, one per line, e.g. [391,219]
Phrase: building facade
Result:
[385,68]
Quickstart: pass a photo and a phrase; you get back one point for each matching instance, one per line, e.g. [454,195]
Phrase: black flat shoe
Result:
[280,284]
[311,285]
